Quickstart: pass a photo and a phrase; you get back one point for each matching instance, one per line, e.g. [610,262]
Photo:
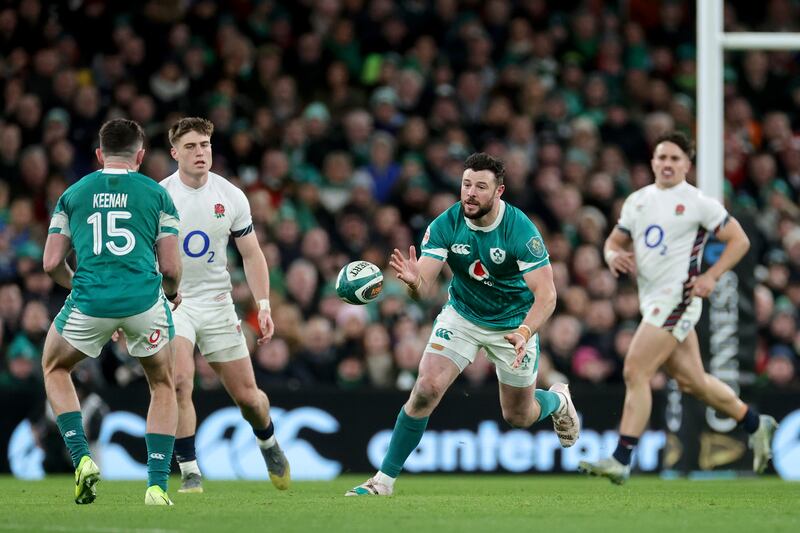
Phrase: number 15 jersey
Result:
[669,229]
[209,215]
[114,218]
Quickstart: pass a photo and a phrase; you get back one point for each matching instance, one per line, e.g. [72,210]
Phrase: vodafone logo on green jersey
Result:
[478,272]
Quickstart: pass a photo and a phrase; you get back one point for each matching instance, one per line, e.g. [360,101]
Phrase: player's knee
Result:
[52,364]
[47,365]
[184,385]
[426,394]
[249,399]
[517,419]
[634,375]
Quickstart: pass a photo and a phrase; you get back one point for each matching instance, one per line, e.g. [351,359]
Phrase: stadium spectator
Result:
[567,96]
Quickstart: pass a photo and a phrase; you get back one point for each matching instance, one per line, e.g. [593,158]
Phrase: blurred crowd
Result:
[347,122]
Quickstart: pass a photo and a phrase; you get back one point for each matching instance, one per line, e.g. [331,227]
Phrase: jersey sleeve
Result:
[713,214]
[242,223]
[627,216]
[59,222]
[436,239]
[529,249]
[169,221]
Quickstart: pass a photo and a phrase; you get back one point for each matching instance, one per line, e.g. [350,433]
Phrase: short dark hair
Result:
[187,124]
[483,161]
[681,140]
[121,137]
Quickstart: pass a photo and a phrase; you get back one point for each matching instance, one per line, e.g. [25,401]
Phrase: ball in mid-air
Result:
[359,282]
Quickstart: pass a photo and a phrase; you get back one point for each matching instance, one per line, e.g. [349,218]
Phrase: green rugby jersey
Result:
[114,218]
[488,263]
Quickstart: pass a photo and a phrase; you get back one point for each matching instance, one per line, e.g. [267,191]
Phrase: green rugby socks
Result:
[548,401]
[159,457]
[71,427]
[405,439]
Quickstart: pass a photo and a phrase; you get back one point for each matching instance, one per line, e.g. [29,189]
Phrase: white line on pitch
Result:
[91,529]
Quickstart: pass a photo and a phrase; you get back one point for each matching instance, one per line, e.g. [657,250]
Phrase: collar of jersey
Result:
[493,225]
[115,171]
[677,187]
[192,189]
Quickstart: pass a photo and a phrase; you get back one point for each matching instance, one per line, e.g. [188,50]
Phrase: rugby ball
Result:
[359,282]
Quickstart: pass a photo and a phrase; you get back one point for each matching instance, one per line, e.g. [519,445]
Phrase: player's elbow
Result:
[51,264]
[745,242]
[171,270]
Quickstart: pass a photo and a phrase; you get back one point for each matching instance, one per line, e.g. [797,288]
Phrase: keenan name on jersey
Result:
[114,218]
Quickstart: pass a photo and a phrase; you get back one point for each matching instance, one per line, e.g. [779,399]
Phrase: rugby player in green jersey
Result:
[118,222]
[501,293]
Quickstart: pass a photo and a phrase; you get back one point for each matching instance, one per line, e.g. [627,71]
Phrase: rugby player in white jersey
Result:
[212,210]
[668,223]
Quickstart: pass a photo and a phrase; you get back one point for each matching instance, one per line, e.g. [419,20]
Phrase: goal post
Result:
[712,41]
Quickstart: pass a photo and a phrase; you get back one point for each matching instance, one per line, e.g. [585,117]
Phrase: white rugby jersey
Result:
[669,228]
[209,215]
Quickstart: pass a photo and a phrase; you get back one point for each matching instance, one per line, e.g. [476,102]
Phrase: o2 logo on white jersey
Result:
[654,238]
[478,272]
[187,245]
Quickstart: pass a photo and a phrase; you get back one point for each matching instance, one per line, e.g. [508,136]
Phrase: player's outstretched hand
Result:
[621,263]
[702,285]
[117,335]
[266,326]
[407,269]
[518,342]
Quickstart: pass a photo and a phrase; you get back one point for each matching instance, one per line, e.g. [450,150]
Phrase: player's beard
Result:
[481,212]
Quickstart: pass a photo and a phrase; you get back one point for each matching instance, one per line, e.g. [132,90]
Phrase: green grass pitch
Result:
[488,504]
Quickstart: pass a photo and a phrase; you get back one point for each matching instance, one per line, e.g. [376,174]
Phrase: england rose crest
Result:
[219,210]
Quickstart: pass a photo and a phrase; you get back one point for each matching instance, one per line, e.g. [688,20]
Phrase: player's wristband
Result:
[263,305]
[171,297]
[525,331]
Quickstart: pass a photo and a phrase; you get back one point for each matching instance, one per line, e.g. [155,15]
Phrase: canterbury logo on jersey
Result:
[461,249]
[159,456]
[443,333]
[70,433]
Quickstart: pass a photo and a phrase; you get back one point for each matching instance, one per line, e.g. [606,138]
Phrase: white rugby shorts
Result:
[145,333]
[675,315]
[215,329]
[458,339]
